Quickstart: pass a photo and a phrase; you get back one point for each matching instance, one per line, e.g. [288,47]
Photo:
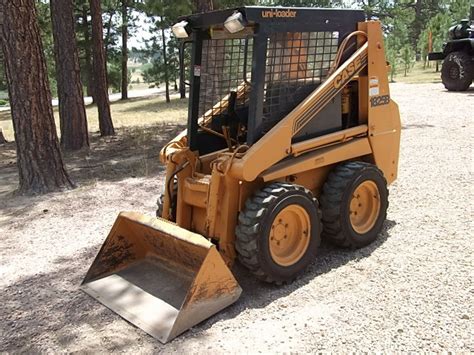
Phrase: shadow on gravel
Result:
[132,152]
[468,92]
[257,294]
[415,126]
[47,311]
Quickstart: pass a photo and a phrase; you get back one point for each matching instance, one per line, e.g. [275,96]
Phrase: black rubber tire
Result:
[174,203]
[159,205]
[336,198]
[254,225]
[457,71]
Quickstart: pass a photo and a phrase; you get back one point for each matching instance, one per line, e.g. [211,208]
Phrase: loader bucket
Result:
[160,277]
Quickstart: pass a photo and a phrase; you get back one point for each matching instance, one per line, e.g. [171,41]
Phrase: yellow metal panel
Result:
[384,118]
[321,157]
[160,277]
[340,136]
[276,144]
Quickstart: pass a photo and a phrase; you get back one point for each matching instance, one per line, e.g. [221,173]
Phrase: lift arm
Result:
[276,144]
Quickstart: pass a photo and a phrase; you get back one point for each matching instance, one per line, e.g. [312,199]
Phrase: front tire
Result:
[354,203]
[278,232]
[457,71]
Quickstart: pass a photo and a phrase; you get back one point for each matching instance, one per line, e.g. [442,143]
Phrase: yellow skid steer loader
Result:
[292,136]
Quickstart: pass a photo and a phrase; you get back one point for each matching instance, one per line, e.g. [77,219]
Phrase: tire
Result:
[174,203]
[258,232]
[457,71]
[359,227]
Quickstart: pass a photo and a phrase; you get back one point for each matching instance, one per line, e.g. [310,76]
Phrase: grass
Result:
[419,75]
[145,111]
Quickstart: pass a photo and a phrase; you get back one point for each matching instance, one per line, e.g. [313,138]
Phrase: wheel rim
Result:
[289,235]
[365,207]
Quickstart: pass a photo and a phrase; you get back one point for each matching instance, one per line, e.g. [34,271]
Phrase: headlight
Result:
[235,22]
[180,29]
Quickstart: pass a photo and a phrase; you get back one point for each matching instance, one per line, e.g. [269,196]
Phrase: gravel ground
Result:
[412,290]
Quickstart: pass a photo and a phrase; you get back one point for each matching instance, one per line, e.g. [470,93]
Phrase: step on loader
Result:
[292,137]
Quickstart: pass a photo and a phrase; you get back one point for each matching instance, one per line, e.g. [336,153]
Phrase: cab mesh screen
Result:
[297,62]
[226,66]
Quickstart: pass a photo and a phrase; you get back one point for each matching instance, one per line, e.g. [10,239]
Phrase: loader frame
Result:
[210,196]
[303,120]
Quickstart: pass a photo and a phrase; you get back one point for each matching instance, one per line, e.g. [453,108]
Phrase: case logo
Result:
[347,73]
[278,13]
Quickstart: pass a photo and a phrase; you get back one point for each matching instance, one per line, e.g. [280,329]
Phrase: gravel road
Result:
[412,290]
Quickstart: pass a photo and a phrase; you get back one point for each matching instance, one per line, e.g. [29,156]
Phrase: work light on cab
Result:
[235,22]
[179,29]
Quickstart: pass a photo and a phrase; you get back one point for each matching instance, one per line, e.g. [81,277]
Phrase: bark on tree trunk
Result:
[72,113]
[203,5]
[2,138]
[100,71]
[165,61]
[87,40]
[124,49]
[418,26]
[108,34]
[39,159]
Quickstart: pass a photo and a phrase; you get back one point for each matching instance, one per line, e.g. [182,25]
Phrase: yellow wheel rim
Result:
[289,235]
[365,207]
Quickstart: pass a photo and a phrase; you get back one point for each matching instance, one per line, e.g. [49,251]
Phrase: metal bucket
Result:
[162,278]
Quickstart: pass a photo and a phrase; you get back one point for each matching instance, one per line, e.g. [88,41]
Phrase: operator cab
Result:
[251,66]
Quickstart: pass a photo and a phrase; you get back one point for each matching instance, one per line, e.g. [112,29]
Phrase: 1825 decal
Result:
[379,100]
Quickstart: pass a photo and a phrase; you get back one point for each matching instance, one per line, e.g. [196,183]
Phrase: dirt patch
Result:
[411,290]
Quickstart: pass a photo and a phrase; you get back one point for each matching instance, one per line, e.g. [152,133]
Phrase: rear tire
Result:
[278,232]
[457,71]
[354,203]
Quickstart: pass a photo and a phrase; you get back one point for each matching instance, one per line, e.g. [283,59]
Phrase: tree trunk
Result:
[165,62]
[2,138]
[124,49]
[72,113]
[418,26]
[203,5]
[39,158]
[100,71]
[87,40]
[108,34]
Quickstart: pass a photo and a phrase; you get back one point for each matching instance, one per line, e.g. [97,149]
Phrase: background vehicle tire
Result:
[278,232]
[354,203]
[457,71]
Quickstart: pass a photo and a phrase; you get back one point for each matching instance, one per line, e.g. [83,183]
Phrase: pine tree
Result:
[72,113]
[39,158]
[100,72]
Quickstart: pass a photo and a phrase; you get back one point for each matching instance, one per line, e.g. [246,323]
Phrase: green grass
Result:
[131,113]
[419,75]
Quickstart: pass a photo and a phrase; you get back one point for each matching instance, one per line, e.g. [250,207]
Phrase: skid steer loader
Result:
[292,135]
